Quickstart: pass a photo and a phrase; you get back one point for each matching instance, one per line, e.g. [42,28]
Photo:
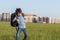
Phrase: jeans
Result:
[19,31]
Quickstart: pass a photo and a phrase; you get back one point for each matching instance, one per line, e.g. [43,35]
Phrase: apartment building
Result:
[5,16]
[35,18]
[0,17]
[30,18]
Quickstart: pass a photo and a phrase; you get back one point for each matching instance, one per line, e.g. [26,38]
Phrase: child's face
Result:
[19,14]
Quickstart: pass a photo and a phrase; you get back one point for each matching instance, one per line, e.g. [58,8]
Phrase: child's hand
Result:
[17,20]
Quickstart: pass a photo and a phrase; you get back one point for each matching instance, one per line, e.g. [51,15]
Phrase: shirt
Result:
[21,23]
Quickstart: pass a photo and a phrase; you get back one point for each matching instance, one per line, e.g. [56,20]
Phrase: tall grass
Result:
[36,31]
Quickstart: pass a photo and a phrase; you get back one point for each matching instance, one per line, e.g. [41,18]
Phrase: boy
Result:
[21,24]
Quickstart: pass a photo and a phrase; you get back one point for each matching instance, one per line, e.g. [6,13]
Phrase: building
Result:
[54,20]
[35,18]
[30,18]
[47,19]
[5,16]
[40,19]
[0,17]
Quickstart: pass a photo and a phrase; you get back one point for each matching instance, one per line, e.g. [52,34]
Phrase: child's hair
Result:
[18,10]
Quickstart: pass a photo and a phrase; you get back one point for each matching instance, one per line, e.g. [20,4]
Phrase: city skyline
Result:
[31,18]
[50,8]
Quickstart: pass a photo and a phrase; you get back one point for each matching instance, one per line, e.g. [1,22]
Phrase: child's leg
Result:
[25,34]
[18,34]
[16,28]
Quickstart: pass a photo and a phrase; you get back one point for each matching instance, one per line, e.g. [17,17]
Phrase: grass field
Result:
[36,31]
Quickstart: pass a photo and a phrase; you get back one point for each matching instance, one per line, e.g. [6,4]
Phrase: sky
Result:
[49,8]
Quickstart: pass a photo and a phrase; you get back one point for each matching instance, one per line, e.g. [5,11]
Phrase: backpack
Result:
[15,23]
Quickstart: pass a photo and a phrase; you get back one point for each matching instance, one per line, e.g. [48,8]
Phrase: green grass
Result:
[36,31]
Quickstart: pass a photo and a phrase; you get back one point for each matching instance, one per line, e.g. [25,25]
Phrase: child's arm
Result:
[17,20]
[14,19]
